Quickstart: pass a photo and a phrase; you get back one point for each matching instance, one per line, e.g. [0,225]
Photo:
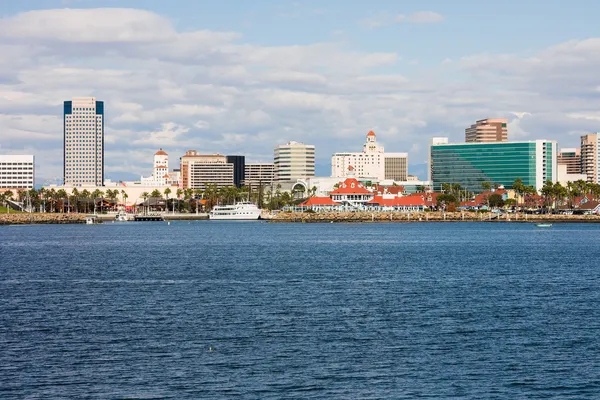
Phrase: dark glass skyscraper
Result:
[239,169]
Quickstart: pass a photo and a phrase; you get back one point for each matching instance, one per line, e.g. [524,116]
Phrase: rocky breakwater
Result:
[43,218]
[427,217]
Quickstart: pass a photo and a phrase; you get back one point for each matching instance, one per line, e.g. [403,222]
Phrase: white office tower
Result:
[84,142]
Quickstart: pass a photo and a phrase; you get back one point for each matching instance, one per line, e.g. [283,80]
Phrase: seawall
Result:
[427,217]
[43,218]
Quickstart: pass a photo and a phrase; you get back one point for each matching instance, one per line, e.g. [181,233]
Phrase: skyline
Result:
[243,79]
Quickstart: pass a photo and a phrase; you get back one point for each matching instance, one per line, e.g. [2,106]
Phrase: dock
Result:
[148,218]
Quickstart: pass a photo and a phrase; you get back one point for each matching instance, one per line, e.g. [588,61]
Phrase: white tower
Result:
[371,145]
[160,173]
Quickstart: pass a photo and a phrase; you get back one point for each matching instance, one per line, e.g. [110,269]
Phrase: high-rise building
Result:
[17,172]
[239,169]
[572,159]
[294,161]
[83,142]
[471,164]
[487,130]
[259,173]
[371,163]
[590,149]
[200,170]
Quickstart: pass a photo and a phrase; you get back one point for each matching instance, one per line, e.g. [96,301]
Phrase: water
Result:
[327,311]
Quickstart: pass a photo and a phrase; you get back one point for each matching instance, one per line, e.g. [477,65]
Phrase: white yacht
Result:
[121,216]
[242,210]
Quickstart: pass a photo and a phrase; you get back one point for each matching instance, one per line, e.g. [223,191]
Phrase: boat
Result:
[121,216]
[544,225]
[91,220]
[239,211]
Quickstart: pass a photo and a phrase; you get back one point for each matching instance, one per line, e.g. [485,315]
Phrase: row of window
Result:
[15,163]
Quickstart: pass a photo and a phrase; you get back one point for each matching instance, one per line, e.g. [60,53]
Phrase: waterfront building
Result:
[17,172]
[351,192]
[83,142]
[200,170]
[372,163]
[571,158]
[259,173]
[471,164]
[239,169]
[294,161]
[590,149]
[487,130]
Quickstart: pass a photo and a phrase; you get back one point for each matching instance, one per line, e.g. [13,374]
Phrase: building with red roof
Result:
[352,193]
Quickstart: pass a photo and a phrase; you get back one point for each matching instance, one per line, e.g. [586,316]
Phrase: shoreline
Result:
[323,217]
[432,216]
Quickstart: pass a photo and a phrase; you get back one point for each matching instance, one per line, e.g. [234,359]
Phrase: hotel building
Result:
[590,149]
[487,130]
[293,161]
[200,170]
[83,142]
[372,163]
[259,173]
[160,172]
[470,164]
[17,172]
[572,159]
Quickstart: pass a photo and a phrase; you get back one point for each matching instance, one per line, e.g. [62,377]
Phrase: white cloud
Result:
[216,93]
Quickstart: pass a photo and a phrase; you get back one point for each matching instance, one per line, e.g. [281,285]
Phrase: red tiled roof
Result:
[160,153]
[480,198]
[389,189]
[371,133]
[351,186]
[318,201]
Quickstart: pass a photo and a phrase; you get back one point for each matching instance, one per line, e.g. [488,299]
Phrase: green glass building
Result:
[471,164]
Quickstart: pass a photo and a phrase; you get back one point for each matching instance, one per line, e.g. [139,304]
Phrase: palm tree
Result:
[167,192]
[85,195]
[61,195]
[97,194]
[8,196]
[198,195]
[75,195]
[486,186]
[145,196]
[124,195]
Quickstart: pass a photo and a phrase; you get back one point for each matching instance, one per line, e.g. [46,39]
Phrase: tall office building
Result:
[572,159]
[239,169]
[294,161]
[487,130]
[471,164]
[259,173]
[17,172]
[590,149]
[200,170]
[83,163]
[372,163]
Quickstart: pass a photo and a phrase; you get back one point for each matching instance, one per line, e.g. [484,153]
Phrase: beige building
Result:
[200,170]
[590,148]
[372,163]
[83,142]
[259,173]
[294,161]
[572,159]
[487,130]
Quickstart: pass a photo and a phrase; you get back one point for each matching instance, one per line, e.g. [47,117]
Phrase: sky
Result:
[240,77]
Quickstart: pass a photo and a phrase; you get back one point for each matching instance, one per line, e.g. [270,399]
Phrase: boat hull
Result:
[244,217]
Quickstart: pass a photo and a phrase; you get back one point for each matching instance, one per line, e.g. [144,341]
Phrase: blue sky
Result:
[243,76]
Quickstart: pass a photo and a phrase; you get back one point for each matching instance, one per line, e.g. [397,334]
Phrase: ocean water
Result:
[219,310]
